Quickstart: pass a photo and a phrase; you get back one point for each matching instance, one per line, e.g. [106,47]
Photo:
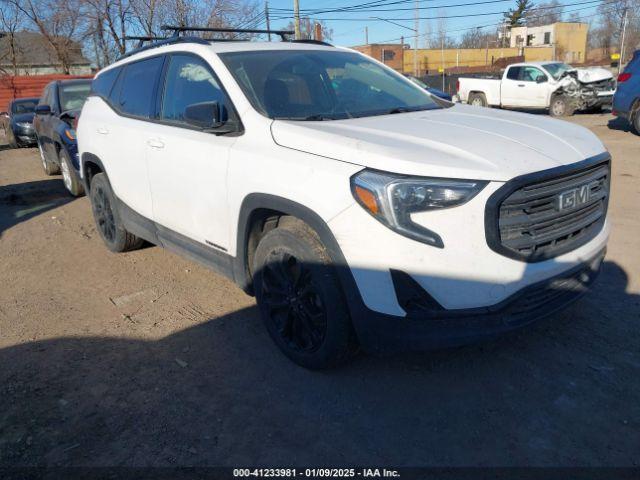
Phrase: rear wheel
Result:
[300,298]
[48,166]
[560,107]
[477,99]
[11,138]
[69,175]
[108,222]
[635,119]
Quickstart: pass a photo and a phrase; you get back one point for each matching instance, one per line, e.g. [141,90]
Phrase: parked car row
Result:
[49,123]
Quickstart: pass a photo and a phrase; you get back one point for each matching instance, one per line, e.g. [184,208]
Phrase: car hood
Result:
[457,142]
[593,74]
[22,117]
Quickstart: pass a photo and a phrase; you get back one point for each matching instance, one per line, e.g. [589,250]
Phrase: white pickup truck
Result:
[555,86]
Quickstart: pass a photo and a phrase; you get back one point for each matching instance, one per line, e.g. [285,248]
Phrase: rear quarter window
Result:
[103,83]
[513,73]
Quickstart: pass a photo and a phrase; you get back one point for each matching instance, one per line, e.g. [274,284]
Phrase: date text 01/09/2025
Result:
[315,473]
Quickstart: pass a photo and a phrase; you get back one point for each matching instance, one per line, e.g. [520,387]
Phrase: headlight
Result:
[391,199]
[70,134]
[23,124]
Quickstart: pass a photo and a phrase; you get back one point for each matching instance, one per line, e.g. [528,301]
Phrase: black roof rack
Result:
[176,31]
[142,39]
[164,41]
[176,38]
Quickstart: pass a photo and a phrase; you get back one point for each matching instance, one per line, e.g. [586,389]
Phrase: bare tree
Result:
[307,26]
[476,38]
[10,21]
[606,34]
[60,22]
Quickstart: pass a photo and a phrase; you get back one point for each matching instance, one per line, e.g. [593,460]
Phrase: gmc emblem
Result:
[575,197]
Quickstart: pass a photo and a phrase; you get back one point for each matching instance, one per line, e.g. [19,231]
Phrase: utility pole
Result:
[624,31]
[266,14]
[416,29]
[366,35]
[296,19]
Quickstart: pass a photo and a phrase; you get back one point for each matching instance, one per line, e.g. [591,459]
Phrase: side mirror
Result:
[43,110]
[210,117]
[203,115]
[541,79]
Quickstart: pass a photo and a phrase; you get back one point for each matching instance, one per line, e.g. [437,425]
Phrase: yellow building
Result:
[568,40]
[562,41]
[430,60]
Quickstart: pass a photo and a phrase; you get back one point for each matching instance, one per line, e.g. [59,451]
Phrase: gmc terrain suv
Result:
[357,208]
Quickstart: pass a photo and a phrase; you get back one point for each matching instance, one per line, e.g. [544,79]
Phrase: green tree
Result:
[516,17]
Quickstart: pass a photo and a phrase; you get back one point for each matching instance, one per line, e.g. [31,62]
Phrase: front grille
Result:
[538,217]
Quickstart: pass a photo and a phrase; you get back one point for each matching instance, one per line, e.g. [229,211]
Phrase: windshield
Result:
[557,69]
[322,85]
[73,95]
[24,106]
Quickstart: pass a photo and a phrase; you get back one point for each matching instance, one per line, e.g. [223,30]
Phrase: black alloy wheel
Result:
[103,213]
[294,303]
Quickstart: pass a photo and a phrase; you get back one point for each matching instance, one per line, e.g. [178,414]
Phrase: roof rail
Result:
[312,41]
[176,31]
[164,41]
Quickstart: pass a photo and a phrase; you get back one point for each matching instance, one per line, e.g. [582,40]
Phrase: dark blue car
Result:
[17,122]
[431,90]
[626,101]
[56,113]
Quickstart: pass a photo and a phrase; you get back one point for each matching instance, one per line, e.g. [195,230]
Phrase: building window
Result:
[530,40]
[547,38]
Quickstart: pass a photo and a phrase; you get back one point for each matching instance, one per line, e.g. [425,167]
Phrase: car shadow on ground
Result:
[23,201]
[618,123]
[562,392]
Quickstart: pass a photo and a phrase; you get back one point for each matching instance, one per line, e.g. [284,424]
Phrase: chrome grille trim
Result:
[522,220]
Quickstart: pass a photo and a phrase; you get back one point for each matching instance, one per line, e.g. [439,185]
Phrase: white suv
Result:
[359,209]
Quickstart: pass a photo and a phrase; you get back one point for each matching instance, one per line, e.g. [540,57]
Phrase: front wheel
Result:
[561,107]
[300,297]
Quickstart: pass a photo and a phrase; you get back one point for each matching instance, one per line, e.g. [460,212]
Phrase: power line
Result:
[608,2]
[469,15]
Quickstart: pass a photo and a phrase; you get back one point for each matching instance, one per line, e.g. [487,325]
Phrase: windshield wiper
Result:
[318,117]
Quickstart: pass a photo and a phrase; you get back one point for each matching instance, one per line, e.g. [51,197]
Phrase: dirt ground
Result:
[147,359]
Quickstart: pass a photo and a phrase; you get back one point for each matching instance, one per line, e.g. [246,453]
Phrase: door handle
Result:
[155,143]
[102,131]
[521,84]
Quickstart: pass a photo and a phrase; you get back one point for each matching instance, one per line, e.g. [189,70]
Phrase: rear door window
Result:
[136,96]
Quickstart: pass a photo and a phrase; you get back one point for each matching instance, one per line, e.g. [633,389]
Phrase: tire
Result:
[560,107]
[300,297]
[108,222]
[477,99]
[11,138]
[635,119]
[48,166]
[69,175]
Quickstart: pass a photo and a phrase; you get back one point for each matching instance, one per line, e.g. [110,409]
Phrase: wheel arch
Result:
[90,165]
[258,207]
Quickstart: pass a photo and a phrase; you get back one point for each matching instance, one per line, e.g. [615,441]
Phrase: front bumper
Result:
[431,327]
[25,135]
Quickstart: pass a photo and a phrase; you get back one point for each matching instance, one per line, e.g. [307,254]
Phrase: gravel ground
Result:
[146,359]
